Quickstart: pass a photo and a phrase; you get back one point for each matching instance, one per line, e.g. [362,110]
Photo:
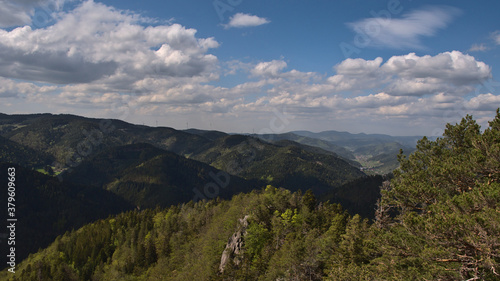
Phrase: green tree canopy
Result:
[448,193]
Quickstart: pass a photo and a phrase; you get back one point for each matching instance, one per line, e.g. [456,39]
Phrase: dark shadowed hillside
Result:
[358,196]
[147,176]
[46,208]
[13,152]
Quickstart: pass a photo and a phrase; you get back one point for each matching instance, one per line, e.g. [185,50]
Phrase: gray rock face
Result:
[235,246]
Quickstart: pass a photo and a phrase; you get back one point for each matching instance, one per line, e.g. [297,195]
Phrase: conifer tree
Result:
[448,194]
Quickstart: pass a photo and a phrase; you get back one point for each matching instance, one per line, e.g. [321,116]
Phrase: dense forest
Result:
[46,208]
[438,218]
[95,168]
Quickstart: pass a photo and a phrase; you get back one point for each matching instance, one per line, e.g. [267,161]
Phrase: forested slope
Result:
[283,164]
[46,208]
[438,219]
[148,177]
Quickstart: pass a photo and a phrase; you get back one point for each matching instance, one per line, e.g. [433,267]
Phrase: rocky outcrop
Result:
[234,247]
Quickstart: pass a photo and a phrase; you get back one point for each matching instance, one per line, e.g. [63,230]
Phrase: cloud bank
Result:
[98,43]
[105,62]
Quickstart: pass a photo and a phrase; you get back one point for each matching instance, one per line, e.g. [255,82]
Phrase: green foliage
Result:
[438,219]
[447,195]
[256,238]
[12,152]
[309,200]
[185,242]
[358,196]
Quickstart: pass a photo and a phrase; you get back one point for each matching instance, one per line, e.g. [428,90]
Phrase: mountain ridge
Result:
[71,139]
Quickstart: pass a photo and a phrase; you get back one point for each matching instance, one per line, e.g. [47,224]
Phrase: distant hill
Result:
[68,138]
[211,135]
[13,152]
[287,165]
[148,177]
[381,158]
[354,141]
[376,153]
[315,142]
[73,140]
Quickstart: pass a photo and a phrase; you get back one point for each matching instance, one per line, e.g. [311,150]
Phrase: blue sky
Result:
[398,67]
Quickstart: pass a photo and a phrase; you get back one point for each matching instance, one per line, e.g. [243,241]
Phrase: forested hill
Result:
[315,142]
[150,177]
[288,165]
[438,219]
[67,140]
[14,152]
[46,208]
[376,153]
[133,166]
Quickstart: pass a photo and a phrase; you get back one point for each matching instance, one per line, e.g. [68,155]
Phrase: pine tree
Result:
[448,193]
[309,200]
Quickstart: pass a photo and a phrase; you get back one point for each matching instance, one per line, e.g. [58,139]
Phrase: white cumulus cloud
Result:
[358,66]
[98,43]
[100,61]
[272,68]
[240,20]
[450,68]
[451,72]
